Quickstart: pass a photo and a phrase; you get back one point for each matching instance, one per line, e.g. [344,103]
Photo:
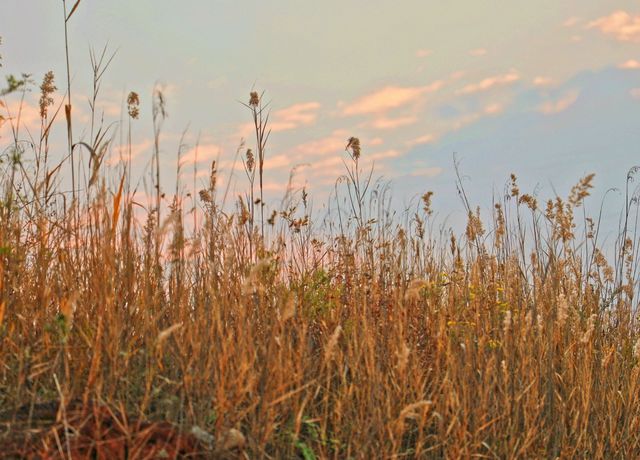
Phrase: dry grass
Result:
[364,337]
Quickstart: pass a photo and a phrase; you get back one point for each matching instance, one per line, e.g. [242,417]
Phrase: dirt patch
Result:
[48,431]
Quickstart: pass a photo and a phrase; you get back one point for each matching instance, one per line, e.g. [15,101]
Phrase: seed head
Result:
[354,145]
[251,161]
[254,99]
[46,89]
[133,105]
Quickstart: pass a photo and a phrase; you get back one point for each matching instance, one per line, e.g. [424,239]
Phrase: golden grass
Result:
[363,338]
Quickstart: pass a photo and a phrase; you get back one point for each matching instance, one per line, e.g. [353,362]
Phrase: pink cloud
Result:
[490,82]
[427,172]
[553,107]
[619,24]
[29,117]
[393,123]
[542,81]
[426,139]
[333,143]
[422,53]
[631,64]
[388,98]
[328,162]
[203,153]
[488,110]
[635,93]
[392,153]
[137,150]
[493,109]
[278,162]
[294,116]
[478,52]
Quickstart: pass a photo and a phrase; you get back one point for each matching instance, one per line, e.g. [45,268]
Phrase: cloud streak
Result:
[560,105]
[388,98]
[490,83]
[620,25]
[631,64]
[294,116]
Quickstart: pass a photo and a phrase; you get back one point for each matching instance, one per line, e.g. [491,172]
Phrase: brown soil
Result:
[47,431]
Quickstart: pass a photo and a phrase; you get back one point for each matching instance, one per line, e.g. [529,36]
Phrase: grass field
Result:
[277,334]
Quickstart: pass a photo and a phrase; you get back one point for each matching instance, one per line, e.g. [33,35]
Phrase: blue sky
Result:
[548,90]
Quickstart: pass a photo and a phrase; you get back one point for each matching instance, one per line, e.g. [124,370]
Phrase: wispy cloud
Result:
[138,149]
[491,82]
[389,97]
[487,111]
[333,143]
[542,81]
[423,53]
[560,105]
[201,153]
[621,25]
[294,116]
[425,139]
[477,52]
[279,162]
[493,109]
[635,93]
[217,83]
[391,153]
[631,64]
[427,172]
[393,123]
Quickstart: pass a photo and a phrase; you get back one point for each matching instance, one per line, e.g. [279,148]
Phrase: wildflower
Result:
[133,103]
[46,89]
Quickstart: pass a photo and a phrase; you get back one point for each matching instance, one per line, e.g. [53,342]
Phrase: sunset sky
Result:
[548,90]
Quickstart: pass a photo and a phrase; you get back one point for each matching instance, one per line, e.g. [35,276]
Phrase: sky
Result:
[547,90]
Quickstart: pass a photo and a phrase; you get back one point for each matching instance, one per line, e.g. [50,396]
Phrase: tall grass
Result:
[364,336]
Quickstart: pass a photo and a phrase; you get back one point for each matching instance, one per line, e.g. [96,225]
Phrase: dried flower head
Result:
[426,201]
[515,190]
[46,89]
[206,196]
[636,349]
[581,190]
[254,99]
[251,161]
[133,105]
[353,144]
